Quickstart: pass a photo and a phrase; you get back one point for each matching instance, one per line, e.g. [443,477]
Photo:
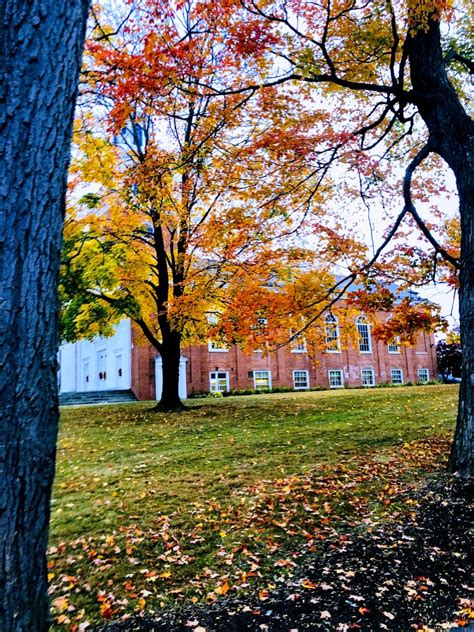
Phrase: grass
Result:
[151,507]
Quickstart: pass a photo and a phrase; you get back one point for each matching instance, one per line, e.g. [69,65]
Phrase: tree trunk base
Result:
[170,407]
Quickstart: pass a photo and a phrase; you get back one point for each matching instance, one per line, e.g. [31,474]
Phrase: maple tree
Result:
[389,86]
[181,216]
[41,51]
[202,203]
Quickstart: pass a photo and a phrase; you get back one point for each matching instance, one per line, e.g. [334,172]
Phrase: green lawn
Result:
[150,507]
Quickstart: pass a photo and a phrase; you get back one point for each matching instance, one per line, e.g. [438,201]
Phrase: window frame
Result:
[260,327]
[213,319]
[401,376]
[427,371]
[371,371]
[216,380]
[341,373]
[332,321]
[217,349]
[298,345]
[269,373]
[363,321]
[394,346]
[301,388]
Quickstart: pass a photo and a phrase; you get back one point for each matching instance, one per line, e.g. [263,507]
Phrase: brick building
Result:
[119,363]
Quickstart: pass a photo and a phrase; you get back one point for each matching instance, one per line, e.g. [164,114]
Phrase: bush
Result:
[282,389]
[288,389]
[246,391]
[199,395]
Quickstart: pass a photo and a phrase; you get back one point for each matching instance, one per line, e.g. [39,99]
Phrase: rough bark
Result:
[170,345]
[451,135]
[40,50]
[461,460]
[170,351]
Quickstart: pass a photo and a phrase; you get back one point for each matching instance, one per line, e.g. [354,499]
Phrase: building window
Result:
[336,378]
[394,346]
[363,329]
[298,344]
[217,345]
[423,375]
[301,380]
[219,381]
[368,377]
[333,342]
[262,380]
[397,376]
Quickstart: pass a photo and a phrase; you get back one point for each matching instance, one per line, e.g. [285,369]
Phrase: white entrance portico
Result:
[101,364]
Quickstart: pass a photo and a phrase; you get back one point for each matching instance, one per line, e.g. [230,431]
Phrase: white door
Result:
[118,370]
[86,375]
[102,376]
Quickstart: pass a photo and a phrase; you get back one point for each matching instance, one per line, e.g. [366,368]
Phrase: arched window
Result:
[298,343]
[216,344]
[394,344]
[333,342]
[363,329]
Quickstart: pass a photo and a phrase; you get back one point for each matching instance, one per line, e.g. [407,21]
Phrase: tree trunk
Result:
[40,49]
[170,352]
[461,460]
[451,135]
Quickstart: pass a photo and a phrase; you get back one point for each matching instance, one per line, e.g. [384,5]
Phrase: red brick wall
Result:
[200,362]
[143,369]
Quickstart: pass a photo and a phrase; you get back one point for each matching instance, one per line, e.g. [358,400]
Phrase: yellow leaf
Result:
[223,589]
[61,604]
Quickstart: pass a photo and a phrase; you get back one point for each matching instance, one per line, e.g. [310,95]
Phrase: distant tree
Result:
[449,357]
[40,55]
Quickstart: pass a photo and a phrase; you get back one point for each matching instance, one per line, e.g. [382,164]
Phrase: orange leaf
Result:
[106,610]
[223,589]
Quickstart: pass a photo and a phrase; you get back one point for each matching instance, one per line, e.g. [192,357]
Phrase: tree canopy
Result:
[350,112]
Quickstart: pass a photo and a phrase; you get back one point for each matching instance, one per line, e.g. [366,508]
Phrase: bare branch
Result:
[410,207]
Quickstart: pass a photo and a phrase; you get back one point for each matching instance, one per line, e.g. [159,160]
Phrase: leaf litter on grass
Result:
[252,540]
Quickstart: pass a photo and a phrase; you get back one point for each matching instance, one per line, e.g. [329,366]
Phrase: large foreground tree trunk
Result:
[40,52]
[451,135]
[461,460]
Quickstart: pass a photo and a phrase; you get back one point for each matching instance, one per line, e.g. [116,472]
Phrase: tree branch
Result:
[410,207]
[465,61]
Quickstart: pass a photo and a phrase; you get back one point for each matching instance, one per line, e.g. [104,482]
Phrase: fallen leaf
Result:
[223,589]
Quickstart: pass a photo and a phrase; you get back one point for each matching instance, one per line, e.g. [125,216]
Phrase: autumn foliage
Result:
[205,194]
